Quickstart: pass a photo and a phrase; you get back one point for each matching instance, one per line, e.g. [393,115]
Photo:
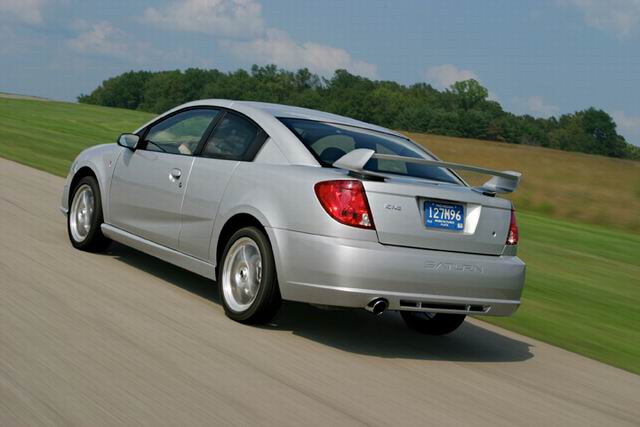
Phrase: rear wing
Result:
[501,182]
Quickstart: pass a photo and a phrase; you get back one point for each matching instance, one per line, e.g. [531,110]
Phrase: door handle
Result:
[175,174]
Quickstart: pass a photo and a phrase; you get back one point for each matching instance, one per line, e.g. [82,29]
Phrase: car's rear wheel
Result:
[247,279]
[85,217]
[432,323]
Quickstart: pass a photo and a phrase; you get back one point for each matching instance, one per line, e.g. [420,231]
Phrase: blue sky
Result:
[543,57]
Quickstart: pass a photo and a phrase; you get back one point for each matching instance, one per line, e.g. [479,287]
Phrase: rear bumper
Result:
[351,273]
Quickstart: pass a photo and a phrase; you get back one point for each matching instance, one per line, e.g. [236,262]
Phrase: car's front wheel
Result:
[247,280]
[85,217]
[432,323]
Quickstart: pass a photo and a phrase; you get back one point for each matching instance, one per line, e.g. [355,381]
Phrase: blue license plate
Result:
[445,216]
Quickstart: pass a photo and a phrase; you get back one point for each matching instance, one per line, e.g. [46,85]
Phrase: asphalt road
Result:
[124,339]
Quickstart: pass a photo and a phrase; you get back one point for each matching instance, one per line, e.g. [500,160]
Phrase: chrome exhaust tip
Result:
[377,306]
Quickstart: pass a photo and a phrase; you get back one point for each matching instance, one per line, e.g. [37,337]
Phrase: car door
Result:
[148,183]
[235,139]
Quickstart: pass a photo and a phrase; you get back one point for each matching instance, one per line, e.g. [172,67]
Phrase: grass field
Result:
[582,289]
[583,281]
[48,135]
[575,186]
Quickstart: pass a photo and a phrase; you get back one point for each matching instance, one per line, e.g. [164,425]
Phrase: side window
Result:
[235,138]
[180,133]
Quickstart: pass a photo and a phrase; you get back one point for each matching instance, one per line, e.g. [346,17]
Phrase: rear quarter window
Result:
[234,138]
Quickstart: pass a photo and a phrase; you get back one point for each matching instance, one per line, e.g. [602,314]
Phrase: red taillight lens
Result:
[346,202]
[513,236]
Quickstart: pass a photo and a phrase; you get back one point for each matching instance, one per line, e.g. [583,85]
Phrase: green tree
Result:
[461,110]
[601,127]
[124,91]
[469,93]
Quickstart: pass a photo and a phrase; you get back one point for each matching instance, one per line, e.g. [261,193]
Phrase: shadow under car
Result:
[351,330]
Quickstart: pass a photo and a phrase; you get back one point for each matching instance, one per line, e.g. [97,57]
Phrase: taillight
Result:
[513,236]
[346,202]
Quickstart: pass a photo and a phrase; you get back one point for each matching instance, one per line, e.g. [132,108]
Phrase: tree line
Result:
[462,110]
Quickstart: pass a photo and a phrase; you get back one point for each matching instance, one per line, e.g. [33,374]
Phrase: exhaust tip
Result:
[377,306]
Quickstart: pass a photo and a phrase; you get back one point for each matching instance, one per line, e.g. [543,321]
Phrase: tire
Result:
[247,281]
[432,323]
[85,217]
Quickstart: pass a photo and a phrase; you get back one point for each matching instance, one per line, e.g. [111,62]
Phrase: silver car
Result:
[284,203]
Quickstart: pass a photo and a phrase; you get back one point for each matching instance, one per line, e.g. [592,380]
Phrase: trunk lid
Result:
[398,208]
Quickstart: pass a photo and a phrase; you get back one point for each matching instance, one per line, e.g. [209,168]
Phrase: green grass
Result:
[48,135]
[583,281]
[582,289]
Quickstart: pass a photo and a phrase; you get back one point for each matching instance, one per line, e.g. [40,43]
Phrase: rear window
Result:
[329,141]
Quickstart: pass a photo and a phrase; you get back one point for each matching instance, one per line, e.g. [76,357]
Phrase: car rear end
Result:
[463,245]
[430,243]
[410,265]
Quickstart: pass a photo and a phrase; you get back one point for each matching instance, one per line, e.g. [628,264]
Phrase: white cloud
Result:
[619,17]
[27,11]
[493,97]
[102,38]
[229,18]
[445,75]
[277,47]
[536,106]
[99,38]
[628,125]
[245,35]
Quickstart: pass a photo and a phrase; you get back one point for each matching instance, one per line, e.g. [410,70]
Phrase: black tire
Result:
[94,241]
[267,300]
[432,323]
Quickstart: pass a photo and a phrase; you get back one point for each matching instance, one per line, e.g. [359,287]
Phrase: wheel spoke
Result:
[85,199]
[243,253]
[91,203]
[241,273]
[81,213]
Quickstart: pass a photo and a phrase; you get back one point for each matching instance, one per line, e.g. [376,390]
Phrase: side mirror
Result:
[128,140]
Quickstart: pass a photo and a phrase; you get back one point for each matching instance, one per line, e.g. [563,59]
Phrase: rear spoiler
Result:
[501,182]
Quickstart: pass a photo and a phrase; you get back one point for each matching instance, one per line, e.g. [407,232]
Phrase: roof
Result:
[266,116]
[287,111]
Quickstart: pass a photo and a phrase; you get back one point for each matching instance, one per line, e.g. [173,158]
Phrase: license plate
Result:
[445,216]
